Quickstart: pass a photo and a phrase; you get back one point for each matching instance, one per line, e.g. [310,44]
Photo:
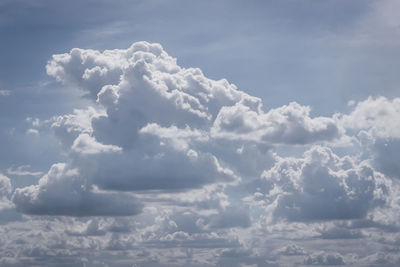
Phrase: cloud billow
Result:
[164,162]
[323,186]
[156,126]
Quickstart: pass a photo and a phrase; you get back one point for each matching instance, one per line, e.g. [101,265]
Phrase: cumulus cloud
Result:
[323,186]
[381,259]
[199,165]
[377,123]
[161,115]
[63,191]
[154,125]
[379,116]
[5,192]
[324,259]
[86,144]
[289,124]
[291,250]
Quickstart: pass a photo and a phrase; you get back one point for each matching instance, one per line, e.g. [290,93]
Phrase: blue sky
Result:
[271,141]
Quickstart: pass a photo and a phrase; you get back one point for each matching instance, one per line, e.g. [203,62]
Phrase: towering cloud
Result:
[165,162]
[156,126]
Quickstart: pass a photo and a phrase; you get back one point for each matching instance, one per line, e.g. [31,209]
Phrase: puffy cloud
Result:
[379,116]
[86,144]
[291,250]
[164,118]
[381,259]
[377,121]
[149,82]
[153,112]
[323,186]
[62,192]
[68,127]
[5,192]
[86,68]
[324,259]
[202,158]
[289,124]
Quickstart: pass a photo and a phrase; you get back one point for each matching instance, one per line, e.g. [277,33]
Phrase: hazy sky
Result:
[199,133]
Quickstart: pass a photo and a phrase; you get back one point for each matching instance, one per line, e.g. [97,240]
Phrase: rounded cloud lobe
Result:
[378,125]
[62,191]
[323,186]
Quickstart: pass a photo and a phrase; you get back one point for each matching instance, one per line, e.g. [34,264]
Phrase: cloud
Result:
[292,250]
[381,259]
[62,192]
[385,153]
[21,171]
[324,259]
[340,233]
[379,116]
[86,144]
[5,92]
[161,115]
[33,132]
[165,165]
[323,186]
[5,192]
[289,124]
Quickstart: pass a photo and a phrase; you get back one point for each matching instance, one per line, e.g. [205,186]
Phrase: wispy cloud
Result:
[22,171]
[5,92]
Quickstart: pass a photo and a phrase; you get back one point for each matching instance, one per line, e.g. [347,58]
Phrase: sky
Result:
[199,133]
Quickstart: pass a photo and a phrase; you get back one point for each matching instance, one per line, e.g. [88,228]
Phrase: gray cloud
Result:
[324,259]
[62,192]
[377,121]
[340,233]
[5,192]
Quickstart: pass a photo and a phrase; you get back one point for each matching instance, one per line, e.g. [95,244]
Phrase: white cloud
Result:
[291,250]
[34,121]
[379,116]
[86,144]
[201,158]
[378,125]
[5,192]
[68,127]
[31,131]
[323,186]
[21,171]
[289,124]
[324,259]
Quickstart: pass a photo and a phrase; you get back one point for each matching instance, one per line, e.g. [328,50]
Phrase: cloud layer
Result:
[166,166]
